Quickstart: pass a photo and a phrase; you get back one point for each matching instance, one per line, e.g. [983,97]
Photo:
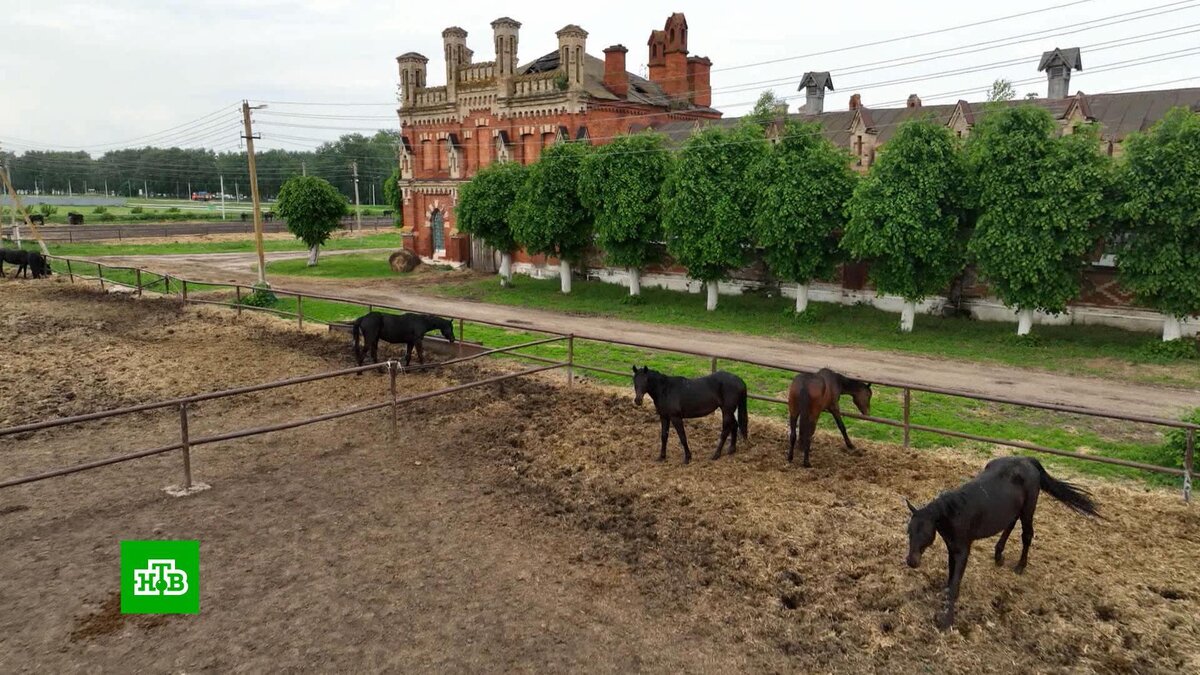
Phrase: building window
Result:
[437,229]
[428,160]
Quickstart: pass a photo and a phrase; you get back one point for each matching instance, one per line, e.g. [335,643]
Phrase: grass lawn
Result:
[348,266]
[1088,350]
[148,208]
[1068,432]
[389,240]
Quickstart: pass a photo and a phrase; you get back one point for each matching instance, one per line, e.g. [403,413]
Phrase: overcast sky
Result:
[99,75]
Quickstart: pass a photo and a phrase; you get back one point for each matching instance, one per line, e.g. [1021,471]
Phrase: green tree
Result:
[1041,198]
[485,209]
[765,109]
[313,209]
[394,197]
[1158,254]
[621,184]
[907,216]
[548,217]
[709,203]
[804,182]
[1002,90]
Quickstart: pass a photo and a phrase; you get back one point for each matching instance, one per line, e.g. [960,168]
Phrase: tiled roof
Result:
[641,90]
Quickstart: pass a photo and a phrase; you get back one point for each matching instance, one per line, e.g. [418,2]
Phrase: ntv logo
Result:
[160,577]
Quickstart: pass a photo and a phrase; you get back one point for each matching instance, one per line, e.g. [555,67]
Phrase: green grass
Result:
[1086,350]
[1066,432]
[388,240]
[348,266]
[155,210]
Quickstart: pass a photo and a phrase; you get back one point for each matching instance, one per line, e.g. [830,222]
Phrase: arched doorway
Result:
[437,228]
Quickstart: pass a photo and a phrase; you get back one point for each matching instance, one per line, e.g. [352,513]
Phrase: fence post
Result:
[907,409]
[237,291]
[187,448]
[395,405]
[300,310]
[570,359]
[100,275]
[166,284]
[1188,467]
[461,335]
[183,285]
[70,274]
[138,273]
[713,365]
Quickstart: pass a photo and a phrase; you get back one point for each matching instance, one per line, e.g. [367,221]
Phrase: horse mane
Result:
[849,384]
[946,505]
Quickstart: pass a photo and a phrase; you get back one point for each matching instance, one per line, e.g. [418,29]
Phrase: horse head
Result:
[447,328]
[641,383]
[921,533]
[862,397]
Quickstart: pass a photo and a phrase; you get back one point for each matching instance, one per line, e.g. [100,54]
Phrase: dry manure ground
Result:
[523,529]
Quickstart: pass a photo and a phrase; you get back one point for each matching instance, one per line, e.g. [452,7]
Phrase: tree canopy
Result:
[1041,198]
[548,217]
[485,204]
[803,184]
[312,208]
[1158,251]
[907,216]
[709,204]
[621,184]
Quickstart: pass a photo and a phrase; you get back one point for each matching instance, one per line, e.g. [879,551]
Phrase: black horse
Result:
[810,394]
[676,398]
[1003,493]
[407,328]
[26,262]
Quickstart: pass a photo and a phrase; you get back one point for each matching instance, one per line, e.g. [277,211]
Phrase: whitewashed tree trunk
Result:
[1024,321]
[1171,329]
[712,295]
[635,281]
[506,269]
[312,255]
[17,235]
[801,298]
[907,316]
[564,275]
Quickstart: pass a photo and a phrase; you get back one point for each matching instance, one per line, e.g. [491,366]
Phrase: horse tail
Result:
[743,418]
[355,332]
[1074,497]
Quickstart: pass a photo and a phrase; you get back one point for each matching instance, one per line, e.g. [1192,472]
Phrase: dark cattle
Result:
[407,328]
[245,216]
[268,216]
[37,218]
[991,503]
[26,262]
[387,214]
[809,395]
[74,218]
[677,398]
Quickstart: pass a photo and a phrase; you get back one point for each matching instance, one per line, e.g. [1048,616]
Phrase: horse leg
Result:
[733,430]
[408,349]
[666,432]
[837,417]
[958,564]
[1026,534]
[421,352]
[687,452]
[725,421]
[791,437]
[375,350]
[806,436]
[1004,540]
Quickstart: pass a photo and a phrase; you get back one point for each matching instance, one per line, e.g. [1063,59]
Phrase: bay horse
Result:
[677,398]
[992,502]
[810,394]
[407,328]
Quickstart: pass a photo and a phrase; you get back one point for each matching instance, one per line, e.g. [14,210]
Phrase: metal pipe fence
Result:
[906,388]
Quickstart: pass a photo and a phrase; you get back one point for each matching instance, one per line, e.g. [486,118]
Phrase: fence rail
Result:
[907,388]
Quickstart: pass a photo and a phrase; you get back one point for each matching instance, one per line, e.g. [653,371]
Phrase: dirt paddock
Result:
[523,529]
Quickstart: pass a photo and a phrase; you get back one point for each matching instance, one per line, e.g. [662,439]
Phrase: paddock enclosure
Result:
[514,528]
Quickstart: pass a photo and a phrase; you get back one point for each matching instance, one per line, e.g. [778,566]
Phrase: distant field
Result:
[155,210]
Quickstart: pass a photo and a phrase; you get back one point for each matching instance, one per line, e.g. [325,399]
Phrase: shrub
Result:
[1175,445]
[1173,350]
[261,296]
[99,210]
[106,218]
[173,209]
[136,209]
[47,209]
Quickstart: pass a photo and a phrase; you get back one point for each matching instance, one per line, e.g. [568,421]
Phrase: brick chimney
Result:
[675,76]
[855,102]
[698,69]
[1058,64]
[658,55]
[914,101]
[616,79]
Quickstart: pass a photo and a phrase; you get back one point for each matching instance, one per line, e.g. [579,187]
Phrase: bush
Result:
[47,209]
[99,210]
[106,218]
[1165,352]
[136,209]
[1175,445]
[261,296]
[173,209]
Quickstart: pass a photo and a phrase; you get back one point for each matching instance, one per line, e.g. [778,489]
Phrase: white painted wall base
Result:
[1171,329]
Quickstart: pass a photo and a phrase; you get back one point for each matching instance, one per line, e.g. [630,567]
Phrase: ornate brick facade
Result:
[496,111]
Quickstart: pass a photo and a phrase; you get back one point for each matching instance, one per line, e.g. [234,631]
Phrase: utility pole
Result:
[258,240]
[357,206]
[303,168]
[222,197]
[106,187]
[16,200]
[372,194]
[146,188]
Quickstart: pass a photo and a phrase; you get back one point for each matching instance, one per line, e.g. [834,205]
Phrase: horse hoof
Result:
[806,465]
[1020,568]
[662,459]
[944,621]
[999,561]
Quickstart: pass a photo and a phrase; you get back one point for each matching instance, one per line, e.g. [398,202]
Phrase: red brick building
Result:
[500,110]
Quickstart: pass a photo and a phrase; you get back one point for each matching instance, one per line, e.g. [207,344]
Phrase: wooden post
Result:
[395,406]
[100,275]
[461,334]
[16,204]
[183,286]
[258,240]
[713,365]
[907,408]
[570,359]
[187,448]
[70,274]
[237,292]
[138,273]
[300,310]
[166,284]
[1188,465]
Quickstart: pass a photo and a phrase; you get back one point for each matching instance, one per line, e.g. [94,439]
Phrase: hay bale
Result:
[404,261]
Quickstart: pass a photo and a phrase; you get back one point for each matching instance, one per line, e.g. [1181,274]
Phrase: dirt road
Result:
[980,378]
